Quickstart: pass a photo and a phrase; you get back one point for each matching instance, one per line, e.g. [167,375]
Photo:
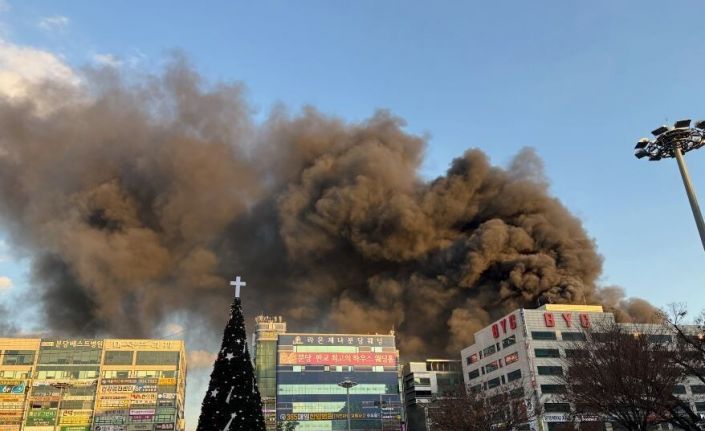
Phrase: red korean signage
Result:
[368,359]
[583,320]
[508,323]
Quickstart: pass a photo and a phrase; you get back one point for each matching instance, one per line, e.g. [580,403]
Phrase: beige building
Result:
[92,385]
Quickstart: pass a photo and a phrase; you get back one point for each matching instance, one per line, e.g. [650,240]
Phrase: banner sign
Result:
[332,416]
[141,412]
[139,387]
[167,396]
[168,426]
[76,417]
[337,340]
[369,359]
[164,381]
[117,388]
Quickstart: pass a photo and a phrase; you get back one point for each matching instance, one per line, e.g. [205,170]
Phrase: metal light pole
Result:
[347,384]
[674,142]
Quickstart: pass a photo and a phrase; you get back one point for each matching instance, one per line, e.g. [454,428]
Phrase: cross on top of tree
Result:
[238,283]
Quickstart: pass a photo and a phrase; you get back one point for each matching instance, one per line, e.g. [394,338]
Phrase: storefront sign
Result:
[160,345]
[73,344]
[12,388]
[169,426]
[331,416]
[369,359]
[167,381]
[337,340]
[41,417]
[507,324]
[583,319]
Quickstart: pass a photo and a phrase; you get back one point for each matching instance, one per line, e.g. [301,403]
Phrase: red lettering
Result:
[548,319]
[495,331]
[585,320]
[568,319]
[512,322]
[503,324]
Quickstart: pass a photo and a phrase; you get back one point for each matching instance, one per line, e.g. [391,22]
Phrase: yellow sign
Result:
[167,381]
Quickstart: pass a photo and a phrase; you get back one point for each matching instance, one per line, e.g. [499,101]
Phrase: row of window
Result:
[497,381]
[494,365]
[112,357]
[491,350]
[694,389]
[112,374]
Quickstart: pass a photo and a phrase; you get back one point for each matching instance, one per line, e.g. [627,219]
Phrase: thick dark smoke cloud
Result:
[139,197]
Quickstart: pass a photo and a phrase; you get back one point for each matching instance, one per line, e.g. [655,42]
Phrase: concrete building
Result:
[311,367]
[425,382]
[264,340]
[526,347]
[92,385]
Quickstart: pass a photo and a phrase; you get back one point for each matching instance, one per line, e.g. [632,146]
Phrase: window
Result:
[490,350]
[557,407]
[475,389]
[697,389]
[511,358]
[517,393]
[474,374]
[18,357]
[679,389]
[550,370]
[573,336]
[118,358]
[552,389]
[491,367]
[575,353]
[514,375]
[493,383]
[157,358]
[509,341]
[423,381]
[543,335]
[116,374]
[700,406]
[472,358]
[547,353]
[659,338]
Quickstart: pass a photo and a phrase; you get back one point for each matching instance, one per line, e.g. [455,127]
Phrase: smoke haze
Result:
[138,197]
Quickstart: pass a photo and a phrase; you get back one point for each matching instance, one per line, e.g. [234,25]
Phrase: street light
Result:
[673,142]
[347,384]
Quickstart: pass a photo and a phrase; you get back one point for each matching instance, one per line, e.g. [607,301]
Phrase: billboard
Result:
[365,359]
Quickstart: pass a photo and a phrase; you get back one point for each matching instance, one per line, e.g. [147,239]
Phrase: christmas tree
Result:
[232,402]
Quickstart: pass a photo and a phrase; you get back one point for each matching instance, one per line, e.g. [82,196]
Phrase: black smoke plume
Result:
[139,197]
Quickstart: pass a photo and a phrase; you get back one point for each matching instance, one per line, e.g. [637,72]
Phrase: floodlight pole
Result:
[691,195]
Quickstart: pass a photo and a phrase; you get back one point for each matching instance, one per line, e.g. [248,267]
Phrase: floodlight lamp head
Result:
[643,142]
[661,130]
[641,153]
[654,158]
[682,124]
[700,124]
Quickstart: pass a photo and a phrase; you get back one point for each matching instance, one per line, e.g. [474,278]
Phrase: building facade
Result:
[526,348]
[424,383]
[92,385]
[264,340]
[310,368]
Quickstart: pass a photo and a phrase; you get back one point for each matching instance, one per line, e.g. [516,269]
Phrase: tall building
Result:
[425,382]
[526,347]
[92,385]
[311,369]
[267,331]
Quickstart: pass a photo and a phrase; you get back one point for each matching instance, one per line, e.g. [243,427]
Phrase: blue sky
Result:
[578,81]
